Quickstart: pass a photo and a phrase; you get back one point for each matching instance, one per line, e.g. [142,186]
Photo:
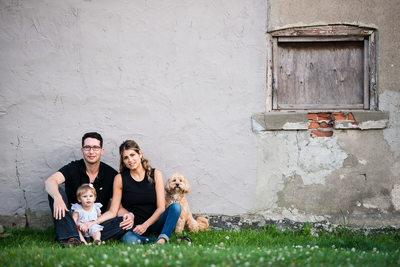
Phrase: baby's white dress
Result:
[87,216]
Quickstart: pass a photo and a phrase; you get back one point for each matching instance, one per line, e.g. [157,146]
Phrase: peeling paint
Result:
[292,214]
[294,154]
[369,125]
[395,197]
[390,101]
[379,202]
[295,126]
[318,157]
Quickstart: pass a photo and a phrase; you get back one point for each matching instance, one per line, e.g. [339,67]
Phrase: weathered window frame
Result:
[324,34]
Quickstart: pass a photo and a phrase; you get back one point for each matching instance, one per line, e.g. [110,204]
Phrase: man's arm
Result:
[51,186]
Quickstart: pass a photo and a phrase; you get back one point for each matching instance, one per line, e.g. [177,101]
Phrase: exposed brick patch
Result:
[325,125]
[319,133]
[312,116]
[313,125]
[339,116]
[324,116]
[322,124]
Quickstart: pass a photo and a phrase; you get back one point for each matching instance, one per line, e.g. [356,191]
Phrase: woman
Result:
[140,189]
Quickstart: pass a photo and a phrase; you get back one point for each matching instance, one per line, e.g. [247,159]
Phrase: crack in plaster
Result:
[17,176]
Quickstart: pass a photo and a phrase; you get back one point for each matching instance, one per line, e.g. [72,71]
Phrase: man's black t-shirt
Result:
[75,175]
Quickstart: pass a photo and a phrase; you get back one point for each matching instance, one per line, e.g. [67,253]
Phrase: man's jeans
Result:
[66,227]
[163,227]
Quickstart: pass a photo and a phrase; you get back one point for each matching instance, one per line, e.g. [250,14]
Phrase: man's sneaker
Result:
[97,242]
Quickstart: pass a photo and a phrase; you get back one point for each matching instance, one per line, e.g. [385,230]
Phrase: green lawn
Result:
[26,247]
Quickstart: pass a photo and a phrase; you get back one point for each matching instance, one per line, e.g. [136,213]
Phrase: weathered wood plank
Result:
[328,73]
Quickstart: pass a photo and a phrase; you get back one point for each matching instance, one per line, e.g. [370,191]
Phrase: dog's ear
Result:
[187,186]
[168,185]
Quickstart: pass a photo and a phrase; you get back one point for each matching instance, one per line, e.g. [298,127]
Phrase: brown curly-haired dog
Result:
[176,187]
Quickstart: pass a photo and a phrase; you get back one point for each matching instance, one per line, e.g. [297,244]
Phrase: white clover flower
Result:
[221,244]
[90,260]
[146,261]
[333,246]
[126,260]
[180,255]
[261,259]
[227,237]
[353,250]
[246,263]
[105,256]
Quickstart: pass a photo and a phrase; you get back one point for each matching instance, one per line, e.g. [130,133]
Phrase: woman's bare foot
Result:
[161,241]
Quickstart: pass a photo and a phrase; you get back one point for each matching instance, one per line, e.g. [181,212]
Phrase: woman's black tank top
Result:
[139,197]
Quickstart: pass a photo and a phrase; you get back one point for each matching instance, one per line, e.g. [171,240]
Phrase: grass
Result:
[29,247]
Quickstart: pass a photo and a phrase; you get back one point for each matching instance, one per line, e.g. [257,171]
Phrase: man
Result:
[87,170]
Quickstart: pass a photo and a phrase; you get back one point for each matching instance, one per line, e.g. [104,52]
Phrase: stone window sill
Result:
[319,121]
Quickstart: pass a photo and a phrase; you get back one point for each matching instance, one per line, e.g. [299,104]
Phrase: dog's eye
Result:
[173,180]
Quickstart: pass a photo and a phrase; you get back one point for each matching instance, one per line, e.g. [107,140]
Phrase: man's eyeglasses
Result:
[94,148]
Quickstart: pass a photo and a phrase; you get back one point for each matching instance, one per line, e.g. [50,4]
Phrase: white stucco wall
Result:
[182,78]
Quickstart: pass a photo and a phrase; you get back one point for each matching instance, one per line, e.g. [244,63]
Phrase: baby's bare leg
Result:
[96,237]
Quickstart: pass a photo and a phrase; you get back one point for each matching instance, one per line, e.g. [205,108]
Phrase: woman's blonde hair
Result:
[130,144]
[83,189]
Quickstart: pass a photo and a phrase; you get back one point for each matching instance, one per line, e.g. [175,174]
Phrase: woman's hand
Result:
[127,221]
[140,229]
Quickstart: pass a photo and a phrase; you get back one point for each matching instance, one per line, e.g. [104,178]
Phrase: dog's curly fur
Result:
[176,187]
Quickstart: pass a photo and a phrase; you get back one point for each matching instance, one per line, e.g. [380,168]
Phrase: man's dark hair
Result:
[92,135]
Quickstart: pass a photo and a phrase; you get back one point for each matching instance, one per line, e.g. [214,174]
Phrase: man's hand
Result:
[127,221]
[140,229]
[59,209]
[83,227]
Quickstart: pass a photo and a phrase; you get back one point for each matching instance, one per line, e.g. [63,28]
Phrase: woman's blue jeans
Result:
[163,227]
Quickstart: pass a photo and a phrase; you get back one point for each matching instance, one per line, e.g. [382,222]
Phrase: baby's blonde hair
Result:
[84,188]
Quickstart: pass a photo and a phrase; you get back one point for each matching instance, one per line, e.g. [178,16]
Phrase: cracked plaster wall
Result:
[180,77]
[355,175]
